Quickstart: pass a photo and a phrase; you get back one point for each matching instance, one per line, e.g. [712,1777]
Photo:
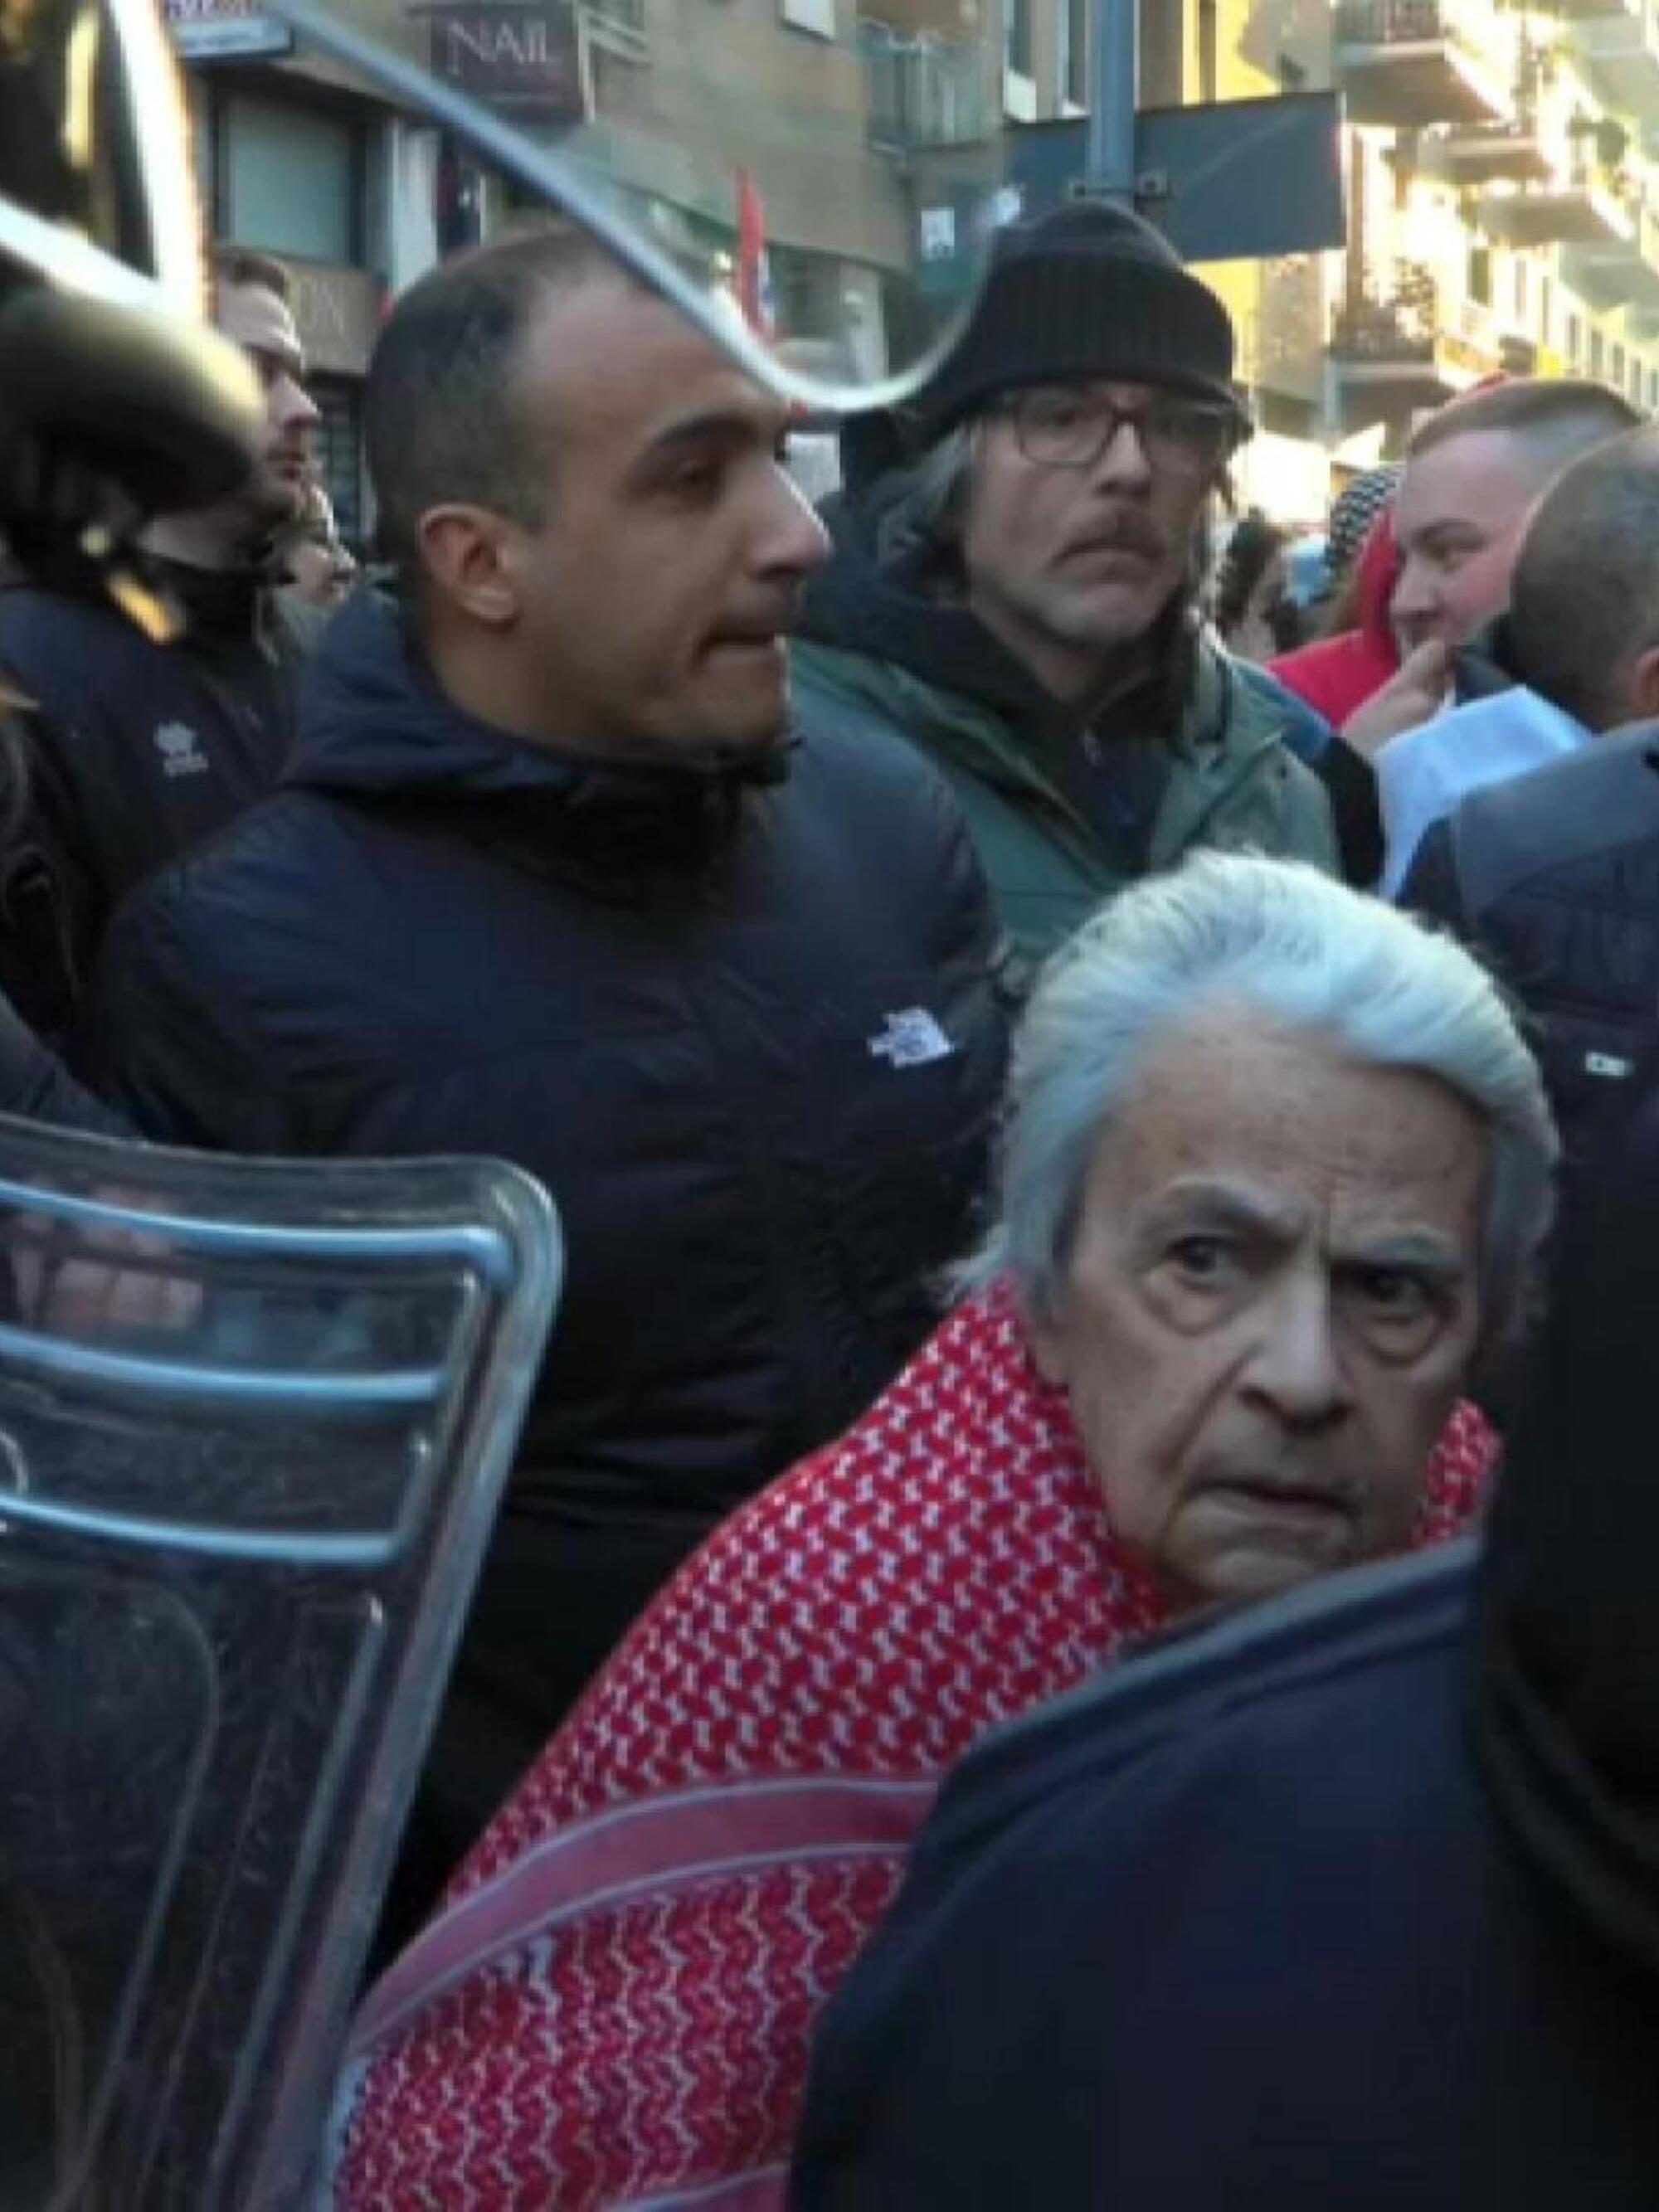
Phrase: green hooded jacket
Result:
[1231,783]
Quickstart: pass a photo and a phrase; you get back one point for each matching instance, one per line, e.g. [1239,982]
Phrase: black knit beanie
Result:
[1090,290]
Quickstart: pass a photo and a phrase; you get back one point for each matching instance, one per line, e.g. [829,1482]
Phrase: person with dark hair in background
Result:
[1020,599]
[1255,612]
[1358,654]
[317,567]
[550,879]
[1353,1902]
[138,748]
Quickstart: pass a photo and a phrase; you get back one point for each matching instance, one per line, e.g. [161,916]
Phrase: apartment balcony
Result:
[1622,272]
[1588,206]
[1620,48]
[1413,63]
[1416,349]
[1476,153]
[924,91]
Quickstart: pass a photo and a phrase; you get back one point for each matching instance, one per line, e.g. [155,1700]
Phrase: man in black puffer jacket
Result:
[547,882]
[135,749]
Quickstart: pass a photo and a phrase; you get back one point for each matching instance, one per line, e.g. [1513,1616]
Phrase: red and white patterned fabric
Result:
[613,2007]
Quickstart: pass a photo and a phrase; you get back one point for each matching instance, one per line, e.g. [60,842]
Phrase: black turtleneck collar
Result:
[217,603]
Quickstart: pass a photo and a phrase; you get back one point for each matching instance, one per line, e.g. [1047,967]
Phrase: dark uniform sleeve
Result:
[51,912]
[162,1038]
[35,1083]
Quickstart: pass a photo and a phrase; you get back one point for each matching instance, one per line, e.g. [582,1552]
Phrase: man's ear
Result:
[468,556]
[1643,693]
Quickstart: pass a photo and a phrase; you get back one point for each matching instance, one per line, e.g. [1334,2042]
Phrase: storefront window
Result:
[289,177]
[339,452]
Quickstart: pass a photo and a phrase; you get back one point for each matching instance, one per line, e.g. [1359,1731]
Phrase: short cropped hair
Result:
[442,421]
[235,265]
[1561,416]
[1584,599]
[1305,953]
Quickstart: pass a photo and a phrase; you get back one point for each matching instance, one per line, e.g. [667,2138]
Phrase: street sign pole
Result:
[1115,81]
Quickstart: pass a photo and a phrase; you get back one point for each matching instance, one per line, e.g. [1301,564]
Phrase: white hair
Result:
[1229,931]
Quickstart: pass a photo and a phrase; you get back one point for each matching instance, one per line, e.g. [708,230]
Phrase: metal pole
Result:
[1113,81]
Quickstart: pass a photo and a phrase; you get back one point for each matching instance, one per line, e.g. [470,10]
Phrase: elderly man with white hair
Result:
[1276,1167]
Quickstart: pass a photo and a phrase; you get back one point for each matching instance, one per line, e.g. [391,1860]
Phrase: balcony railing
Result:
[1412,64]
[1419,326]
[1414,22]
[1373,330]
[1621,46]
[924,91]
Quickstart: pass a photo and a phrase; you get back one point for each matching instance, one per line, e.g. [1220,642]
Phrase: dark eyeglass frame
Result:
[1168,452]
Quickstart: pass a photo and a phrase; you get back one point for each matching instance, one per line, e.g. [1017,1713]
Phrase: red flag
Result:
[754,266]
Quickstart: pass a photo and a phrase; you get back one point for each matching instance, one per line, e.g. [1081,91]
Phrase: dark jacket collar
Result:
[1486,665]
[373,719]
[855,606]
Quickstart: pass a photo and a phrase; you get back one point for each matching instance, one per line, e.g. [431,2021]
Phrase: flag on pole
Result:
[755,293]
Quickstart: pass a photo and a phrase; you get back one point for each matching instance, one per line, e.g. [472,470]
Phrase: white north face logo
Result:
[180,749]
[1613,1066]
[910,1039]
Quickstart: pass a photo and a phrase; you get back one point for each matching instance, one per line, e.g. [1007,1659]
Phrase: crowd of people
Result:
[1057,1104]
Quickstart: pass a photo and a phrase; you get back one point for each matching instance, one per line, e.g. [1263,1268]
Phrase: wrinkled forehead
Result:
[1293,1116]
[261,323]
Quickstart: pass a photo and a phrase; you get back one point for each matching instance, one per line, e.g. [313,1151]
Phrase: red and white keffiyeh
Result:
[614,2006]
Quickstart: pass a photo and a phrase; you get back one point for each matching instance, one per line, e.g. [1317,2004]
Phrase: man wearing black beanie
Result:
[1016,580]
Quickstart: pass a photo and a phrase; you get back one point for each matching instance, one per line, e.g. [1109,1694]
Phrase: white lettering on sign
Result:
[524,44]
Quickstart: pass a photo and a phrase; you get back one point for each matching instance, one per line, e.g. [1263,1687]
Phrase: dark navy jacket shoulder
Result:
[1553,877]
[132,752]
[1235,1926]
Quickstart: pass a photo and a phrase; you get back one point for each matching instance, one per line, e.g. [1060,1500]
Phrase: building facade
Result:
[1503,200]
[1501,169]
[1501,164]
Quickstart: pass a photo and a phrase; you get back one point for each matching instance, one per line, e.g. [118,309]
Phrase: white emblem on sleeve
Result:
[180,749]
[911,1038]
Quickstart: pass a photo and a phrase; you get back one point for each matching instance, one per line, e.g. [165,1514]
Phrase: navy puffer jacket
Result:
[748,1030]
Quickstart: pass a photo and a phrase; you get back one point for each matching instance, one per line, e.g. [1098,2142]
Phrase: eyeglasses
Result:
[1059,427]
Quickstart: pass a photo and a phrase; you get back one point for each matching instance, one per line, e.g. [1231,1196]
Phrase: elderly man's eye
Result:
[1394,1294]
[1202,1259]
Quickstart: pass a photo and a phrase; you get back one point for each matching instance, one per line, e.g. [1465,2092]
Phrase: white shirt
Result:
[1422,773]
